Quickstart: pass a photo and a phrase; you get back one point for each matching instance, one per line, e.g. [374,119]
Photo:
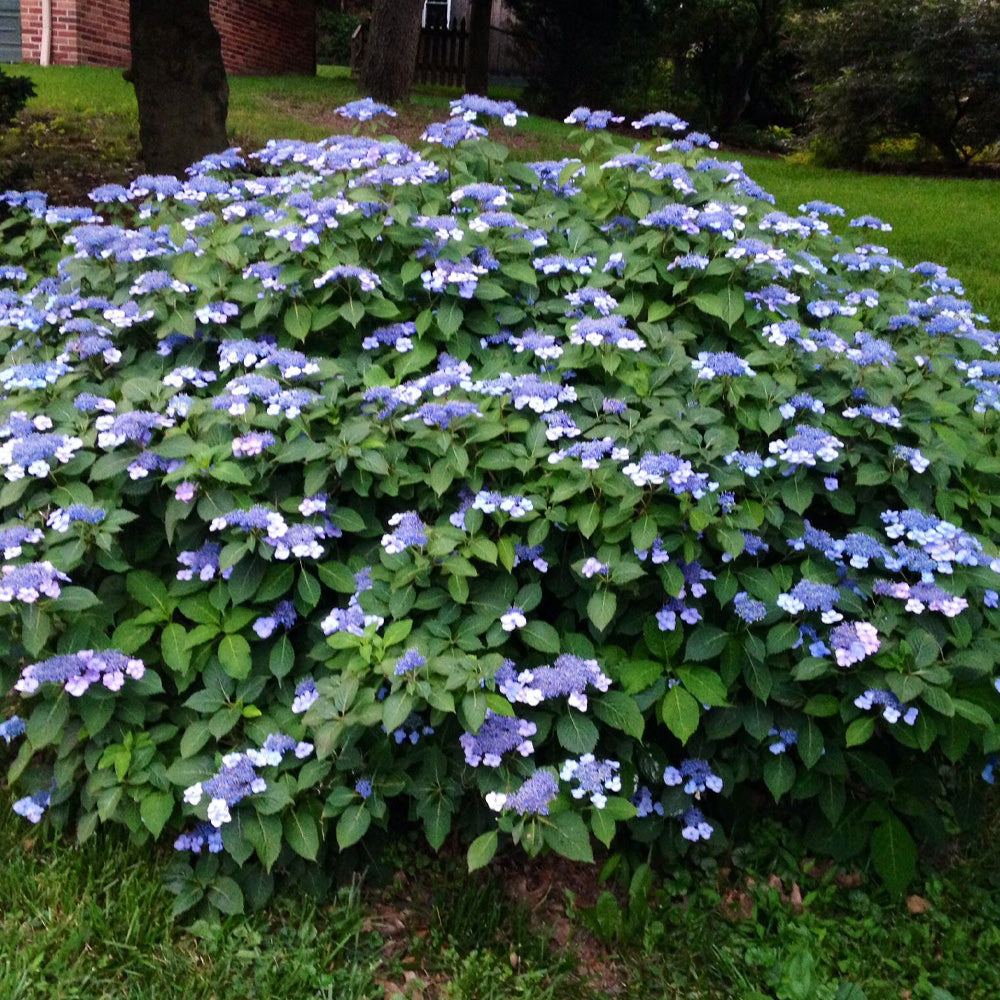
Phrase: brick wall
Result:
[259,37]
[262,37]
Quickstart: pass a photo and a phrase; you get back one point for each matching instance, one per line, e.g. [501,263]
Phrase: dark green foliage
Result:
[898,69]
[599,53]
[14,94]
[333,36]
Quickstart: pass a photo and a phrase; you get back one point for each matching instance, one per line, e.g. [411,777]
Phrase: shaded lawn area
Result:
[93,923]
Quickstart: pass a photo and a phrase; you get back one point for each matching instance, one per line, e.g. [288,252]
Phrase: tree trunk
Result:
[390,59]
[180,83]
[477,80]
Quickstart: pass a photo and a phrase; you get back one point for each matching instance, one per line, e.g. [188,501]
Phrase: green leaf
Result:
[797,494]
[282,657]
[779,775]
[541,636]
[727,305]
[301,833]
[894,855]
[567,834]
[298,320]
[155,810]
[576,733]
[810,744]
[601,608]
[234,655]
[225,895]
[859,731]
[680,713]
[264,834]
[449,317]
[36,627]
[782,636]
[174,648]
[706,643]
[149,591]
[245,579]
[705,684]
[309,590]
[46,722]
[620,712]
[76,599]
[588,519]
[352,825]
[482,850]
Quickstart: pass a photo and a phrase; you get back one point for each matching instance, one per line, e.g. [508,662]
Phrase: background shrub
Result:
[14,94]
[899,69]
[589,499]
[333,36]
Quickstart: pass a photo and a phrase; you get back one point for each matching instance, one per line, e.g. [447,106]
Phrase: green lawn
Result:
[93,923]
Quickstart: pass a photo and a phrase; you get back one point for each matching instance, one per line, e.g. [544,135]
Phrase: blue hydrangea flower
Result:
[695,775]
[593,778]
[892,708]
[499,734]
[33,807]
[306,696]
[77,671]
[11,728]
[533,798]
[364,110]
[412,659]
[30,581]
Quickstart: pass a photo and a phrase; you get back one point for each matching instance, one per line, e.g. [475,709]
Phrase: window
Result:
[437,13]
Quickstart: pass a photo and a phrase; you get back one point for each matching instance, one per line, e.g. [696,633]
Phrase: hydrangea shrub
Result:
[350,485]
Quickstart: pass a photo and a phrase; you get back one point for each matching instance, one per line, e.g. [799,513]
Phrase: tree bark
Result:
[390,58]
[180,83]
[477,79]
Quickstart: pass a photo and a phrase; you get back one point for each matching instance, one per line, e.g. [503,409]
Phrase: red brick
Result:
[259,37]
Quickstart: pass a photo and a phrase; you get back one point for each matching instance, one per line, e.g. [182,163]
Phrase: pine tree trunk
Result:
[390,58]
[180,83]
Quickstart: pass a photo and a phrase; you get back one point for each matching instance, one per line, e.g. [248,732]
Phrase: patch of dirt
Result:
[66,157]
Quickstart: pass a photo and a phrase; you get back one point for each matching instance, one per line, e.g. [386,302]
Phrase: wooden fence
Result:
[443,55]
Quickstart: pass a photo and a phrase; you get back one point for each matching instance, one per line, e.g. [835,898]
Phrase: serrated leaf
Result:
[705,643]
[225,895]
[235,657]
[859,731]
[894,855]
[155,810]
[567,834]
[282,657]
[482,850]
[301,833]
[541,636]
[264,833]
[601,608]
[620,712]
[149,591]
[576,733]
[779,775]
[352,825]
[174,648]
[46,722]
[680,713]
[705,684]
[810,744]
[76,599]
